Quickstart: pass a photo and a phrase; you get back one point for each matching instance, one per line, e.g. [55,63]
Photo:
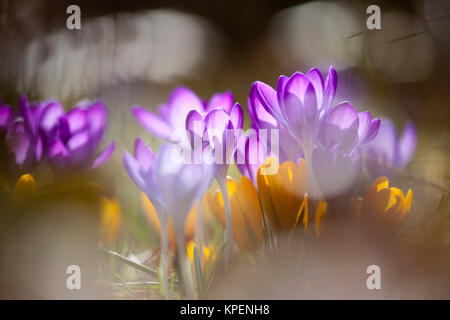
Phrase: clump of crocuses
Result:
[43,130]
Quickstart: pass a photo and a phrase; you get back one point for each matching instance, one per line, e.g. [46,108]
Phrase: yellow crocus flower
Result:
[110,219]
[246,214]
[283,194]
[150,213]
[384,208]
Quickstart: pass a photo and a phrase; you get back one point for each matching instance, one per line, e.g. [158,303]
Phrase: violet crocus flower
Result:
[172,115]
[73,137]
[299,103]
[388,152]
[172,186]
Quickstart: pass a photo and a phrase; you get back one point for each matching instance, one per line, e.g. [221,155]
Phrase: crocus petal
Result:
[269,100]
[50,116]
[134,170]
[97,116]
[261,119]
[407,144]
[316,79]
[195,124]
[19,142]
[216,122]
[104,155]
[58,154]
[237,116]
[281,84]
[5,116]
[26,113]
[144,155]
[383,148]
[330,89]
[221,100]
[80,147]
[154,124]
[181,101]
[76,120]
[368,128]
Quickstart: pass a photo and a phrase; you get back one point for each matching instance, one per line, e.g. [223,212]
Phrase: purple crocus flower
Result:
[299,103]
[329,137]
[387,151]
[73,137]
[172,115]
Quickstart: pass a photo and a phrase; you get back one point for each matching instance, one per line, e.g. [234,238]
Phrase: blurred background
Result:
[135,52]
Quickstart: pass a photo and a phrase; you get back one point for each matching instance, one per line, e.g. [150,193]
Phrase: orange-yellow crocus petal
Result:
[282,193]
[246,214]
[110,219]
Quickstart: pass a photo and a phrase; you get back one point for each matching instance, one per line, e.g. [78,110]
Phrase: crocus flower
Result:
[172,115]
[73,137]
[387,151]
[383,208]
[303,104]
[299,103]
[283,195]
[173,187]
[245,212]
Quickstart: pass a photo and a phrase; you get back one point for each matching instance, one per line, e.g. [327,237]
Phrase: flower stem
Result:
[222,180]
[184,269]
[164,263]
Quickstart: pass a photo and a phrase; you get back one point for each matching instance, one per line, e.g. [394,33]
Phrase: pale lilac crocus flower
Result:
[173,186]
[388,151]
[171,116]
